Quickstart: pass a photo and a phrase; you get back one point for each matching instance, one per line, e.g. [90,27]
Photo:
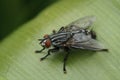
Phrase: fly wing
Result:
[82,41]
[89,45]
[82,23]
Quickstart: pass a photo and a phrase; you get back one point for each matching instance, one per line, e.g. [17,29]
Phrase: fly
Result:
[76,35]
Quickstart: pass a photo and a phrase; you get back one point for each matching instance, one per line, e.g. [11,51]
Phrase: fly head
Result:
[46,42]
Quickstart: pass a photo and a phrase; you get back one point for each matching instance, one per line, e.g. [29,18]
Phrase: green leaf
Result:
[19,62]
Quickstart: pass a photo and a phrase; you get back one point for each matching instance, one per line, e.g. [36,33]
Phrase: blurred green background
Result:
[22,22]
[14,13]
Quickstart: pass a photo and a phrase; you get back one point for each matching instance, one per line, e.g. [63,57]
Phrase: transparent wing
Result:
[82,23]
[89,45]
[82,41]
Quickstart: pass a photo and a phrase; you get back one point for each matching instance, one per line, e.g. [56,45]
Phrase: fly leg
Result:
[49,51]
[64,64]
[61,29]
[93,34]
[39,51]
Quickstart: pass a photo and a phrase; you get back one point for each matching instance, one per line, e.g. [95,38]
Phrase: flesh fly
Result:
[76,35]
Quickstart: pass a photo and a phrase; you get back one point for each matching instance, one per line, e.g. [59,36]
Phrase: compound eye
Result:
[48,43]
[46,36]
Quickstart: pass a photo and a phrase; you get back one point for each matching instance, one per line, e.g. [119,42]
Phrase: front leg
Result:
[39,51]
[49,51]
[61,29]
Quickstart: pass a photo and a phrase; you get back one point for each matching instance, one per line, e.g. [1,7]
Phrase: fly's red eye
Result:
[48,43]
[46,36]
